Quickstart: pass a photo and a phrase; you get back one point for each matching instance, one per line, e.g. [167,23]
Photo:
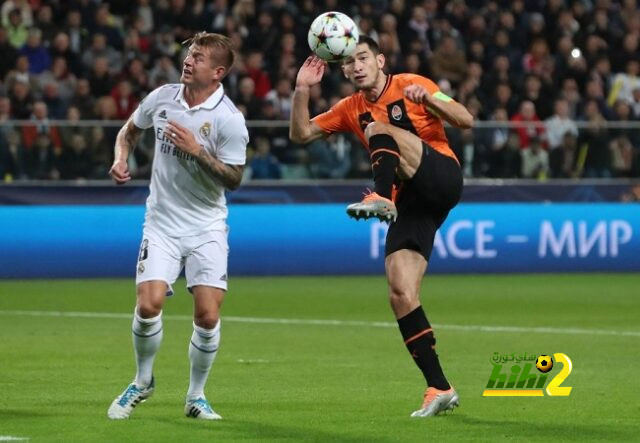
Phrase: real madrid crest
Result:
[396,112]
[205,129]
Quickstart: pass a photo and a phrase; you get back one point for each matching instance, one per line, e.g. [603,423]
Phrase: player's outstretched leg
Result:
[385,158]
[405,269]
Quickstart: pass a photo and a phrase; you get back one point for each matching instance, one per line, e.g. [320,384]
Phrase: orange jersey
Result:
[355,112]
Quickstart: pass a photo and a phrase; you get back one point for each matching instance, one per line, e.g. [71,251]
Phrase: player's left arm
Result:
[441,105]
[228,173]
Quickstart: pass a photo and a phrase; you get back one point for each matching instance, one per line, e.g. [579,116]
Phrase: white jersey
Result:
[184,200]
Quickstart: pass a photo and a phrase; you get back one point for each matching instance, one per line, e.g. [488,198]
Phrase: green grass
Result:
[58,374]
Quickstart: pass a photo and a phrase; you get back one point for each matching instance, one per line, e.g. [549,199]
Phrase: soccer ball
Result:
[544,363]
[333,36]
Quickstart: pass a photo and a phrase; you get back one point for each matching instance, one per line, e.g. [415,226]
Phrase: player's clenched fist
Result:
[120,172]
[417,94]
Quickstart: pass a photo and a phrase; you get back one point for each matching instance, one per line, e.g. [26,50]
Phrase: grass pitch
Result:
[65,353]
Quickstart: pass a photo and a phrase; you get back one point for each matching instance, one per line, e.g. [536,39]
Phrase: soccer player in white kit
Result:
[201,140]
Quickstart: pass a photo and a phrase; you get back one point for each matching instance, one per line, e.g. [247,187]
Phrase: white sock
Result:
[202,352]
[147,336]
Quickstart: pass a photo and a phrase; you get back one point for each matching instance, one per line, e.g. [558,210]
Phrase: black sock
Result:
[418,336]
[385,158]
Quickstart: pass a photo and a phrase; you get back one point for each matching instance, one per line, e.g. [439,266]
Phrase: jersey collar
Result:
[210,103]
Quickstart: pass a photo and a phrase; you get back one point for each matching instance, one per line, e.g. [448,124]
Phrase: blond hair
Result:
[220,45]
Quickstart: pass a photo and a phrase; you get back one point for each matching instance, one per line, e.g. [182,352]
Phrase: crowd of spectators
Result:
[545,79]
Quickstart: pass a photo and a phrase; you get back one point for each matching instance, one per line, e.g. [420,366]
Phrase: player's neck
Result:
[195,96]
[372,94]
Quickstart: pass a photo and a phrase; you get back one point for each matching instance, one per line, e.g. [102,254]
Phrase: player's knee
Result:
[147,309]
[401,297]
[374,128]
[207,320]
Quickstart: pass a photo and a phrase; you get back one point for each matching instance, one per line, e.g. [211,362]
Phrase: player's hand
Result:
[119,172]
[311,72]
[417,94]
[182,138]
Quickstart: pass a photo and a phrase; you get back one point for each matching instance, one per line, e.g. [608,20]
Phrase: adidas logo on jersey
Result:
[163,114]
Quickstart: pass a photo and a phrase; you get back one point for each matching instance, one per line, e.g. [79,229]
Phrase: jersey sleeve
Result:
[143,115]
[335,119]
[233,137]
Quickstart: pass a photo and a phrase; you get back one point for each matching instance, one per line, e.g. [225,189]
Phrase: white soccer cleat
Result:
[373,205]
[123,405]
[201,409]
[436,401]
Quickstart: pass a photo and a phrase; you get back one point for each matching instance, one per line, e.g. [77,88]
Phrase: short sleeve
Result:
[143,115]
[233,137]
[335,119]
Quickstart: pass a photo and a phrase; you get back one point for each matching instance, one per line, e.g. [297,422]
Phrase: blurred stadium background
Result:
[552,171]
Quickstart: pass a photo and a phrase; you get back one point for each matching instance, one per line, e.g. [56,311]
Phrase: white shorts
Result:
[203,256]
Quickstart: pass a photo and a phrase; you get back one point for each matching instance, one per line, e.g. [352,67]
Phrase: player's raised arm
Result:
[441,105]
[125,142]
[301,128]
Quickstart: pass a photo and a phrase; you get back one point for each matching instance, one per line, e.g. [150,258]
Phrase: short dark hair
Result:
[371,43]
[220,45]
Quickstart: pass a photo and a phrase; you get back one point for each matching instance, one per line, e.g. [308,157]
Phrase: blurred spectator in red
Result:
[254,67]
[124,98]
[529,124]
[36,52]
[40,125]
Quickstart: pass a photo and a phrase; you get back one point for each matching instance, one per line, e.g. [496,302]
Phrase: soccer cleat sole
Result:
[384,213]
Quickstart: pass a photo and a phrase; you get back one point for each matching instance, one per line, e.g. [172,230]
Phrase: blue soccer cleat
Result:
[123,405]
